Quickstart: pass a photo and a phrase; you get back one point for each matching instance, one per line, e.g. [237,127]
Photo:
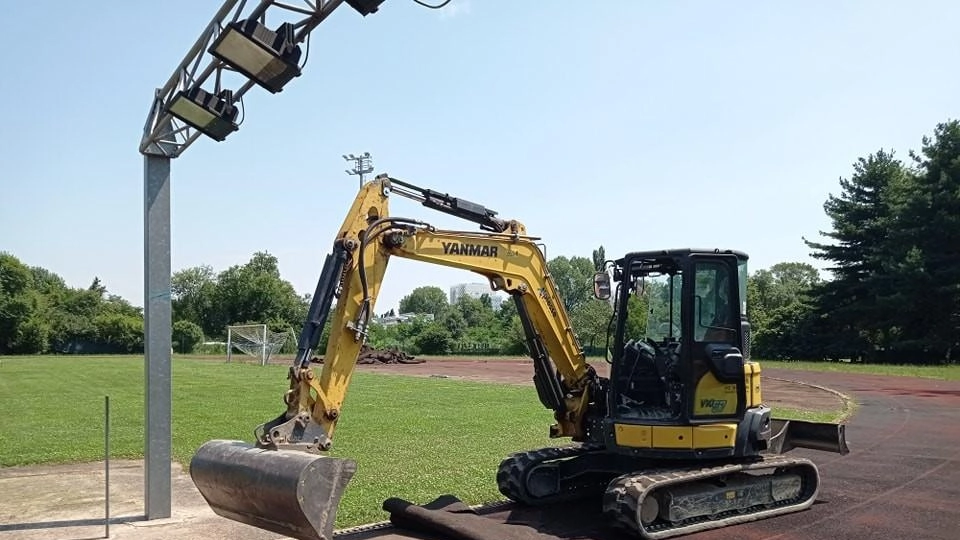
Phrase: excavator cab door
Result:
[715,337]
[646,377]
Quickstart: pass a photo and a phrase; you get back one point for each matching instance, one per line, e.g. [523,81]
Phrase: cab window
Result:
[713,311]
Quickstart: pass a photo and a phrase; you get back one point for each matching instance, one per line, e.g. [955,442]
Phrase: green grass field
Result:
[947,373]
[412,437]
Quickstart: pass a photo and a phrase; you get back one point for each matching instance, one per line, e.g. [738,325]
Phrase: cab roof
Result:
[680,252]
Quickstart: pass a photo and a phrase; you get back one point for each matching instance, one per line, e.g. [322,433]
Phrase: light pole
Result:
[236,51]
[363,164]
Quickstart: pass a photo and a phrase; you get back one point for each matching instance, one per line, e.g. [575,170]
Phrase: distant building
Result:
[476,290]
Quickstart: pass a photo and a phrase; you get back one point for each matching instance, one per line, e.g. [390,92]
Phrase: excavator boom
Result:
[283,482]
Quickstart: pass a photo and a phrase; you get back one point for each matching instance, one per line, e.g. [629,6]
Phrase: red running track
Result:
[901,479]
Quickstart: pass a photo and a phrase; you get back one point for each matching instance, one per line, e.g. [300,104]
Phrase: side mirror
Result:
[601,285]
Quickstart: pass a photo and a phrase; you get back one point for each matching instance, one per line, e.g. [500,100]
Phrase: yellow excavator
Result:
[676,440]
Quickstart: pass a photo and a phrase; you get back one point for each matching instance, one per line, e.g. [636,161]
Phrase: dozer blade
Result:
[288,492]
[823,436]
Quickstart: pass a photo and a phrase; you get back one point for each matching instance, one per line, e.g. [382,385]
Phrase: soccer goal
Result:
[254,340]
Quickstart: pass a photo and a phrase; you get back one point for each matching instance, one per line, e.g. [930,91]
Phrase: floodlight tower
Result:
[204,96]
[363,164]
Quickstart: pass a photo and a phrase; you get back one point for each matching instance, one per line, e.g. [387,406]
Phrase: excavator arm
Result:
[354,272]
[514,263]
[287,460]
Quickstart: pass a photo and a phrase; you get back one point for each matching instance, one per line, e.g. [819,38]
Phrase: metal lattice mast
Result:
[166,135]
[363,164]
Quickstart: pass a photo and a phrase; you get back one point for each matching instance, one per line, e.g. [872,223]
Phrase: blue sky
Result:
[636,125]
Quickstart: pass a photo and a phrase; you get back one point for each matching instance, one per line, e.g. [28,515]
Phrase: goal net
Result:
[254,340]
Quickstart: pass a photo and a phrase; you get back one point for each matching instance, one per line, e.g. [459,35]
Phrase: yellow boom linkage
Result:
[283,482]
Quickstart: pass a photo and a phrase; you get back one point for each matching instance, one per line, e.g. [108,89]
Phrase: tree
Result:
[790,281]
[454,322]
[590,321]
[599,257]
[97,287]
[513,340]
[433,339]
[929,269]
[867,245]
[896,289]
[427,299]
[38,312]
[72,321]
[780,311]
[638,313]
[255,292]
[118,332]
[193,292]
[476,313]
[33,337]
[46,282]
[17,304]
[574,279]
[186,336]
[786,334]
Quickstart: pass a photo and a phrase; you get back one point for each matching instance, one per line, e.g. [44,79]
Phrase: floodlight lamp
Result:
[214,115]
[365,7]
[268,58]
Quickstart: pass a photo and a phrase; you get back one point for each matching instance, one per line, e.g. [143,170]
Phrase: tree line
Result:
[205,302]
[894,250]
[471,325]
[40,313]
[893,293]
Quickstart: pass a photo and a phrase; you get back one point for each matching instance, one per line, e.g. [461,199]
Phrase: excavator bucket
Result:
[288,492]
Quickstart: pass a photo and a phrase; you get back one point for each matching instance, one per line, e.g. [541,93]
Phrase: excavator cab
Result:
[684,394]
[679,351]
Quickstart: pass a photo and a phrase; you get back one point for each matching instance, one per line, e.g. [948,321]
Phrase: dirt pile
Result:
[369,355]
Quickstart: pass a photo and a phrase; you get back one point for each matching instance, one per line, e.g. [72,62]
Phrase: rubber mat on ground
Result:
[448,517]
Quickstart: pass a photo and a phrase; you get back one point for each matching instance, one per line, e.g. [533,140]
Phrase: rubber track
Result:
[625,493]
[512,474]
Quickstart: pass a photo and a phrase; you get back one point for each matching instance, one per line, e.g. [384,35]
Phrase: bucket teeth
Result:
[288,492]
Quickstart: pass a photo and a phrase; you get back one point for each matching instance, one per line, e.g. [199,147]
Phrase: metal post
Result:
[229,343]
[157,333]
[263,348]
[106,466]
